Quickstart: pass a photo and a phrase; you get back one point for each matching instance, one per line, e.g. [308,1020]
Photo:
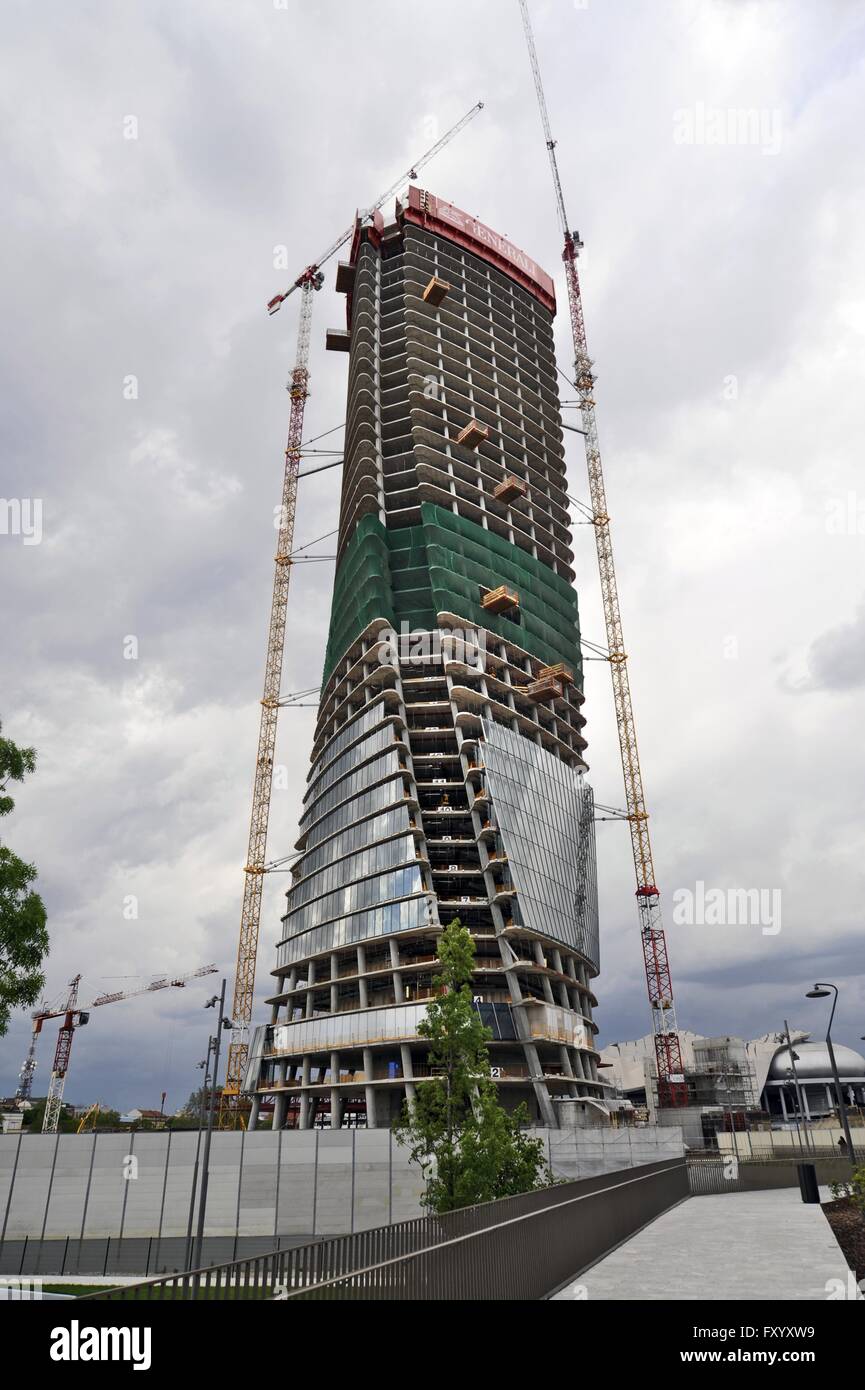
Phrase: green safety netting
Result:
[383,574]
[463,558]
[412,574]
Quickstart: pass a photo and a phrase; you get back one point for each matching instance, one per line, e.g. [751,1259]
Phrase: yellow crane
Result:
[88,1120]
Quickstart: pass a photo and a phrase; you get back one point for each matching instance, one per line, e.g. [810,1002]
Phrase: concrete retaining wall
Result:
[265,1188]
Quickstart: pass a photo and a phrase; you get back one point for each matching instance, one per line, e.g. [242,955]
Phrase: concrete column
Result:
[361,966]
[399,992]
[335,1093]
[781,1090]
[253,1113]
[280,1098]
[371,1119]
[561,988]
[408,1073]
[545,983]
[289,1002]
[310,980]
[334,987]
[303,1119]
[545,1105]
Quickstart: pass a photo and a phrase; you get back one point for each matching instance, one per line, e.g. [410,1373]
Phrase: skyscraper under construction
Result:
[446,777]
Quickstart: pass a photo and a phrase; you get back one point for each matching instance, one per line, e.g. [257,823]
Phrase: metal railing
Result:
[711,1176]
[522,1247]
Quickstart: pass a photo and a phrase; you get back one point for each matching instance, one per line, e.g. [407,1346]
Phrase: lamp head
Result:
[817,993]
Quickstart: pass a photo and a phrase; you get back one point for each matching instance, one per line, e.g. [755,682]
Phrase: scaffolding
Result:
[721,1077]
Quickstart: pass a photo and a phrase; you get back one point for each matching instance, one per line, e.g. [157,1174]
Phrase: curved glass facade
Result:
[348,733]
[545,814]
[361,752]
[355,809]
[374,860]
[399,883]
[363,833]
[410,914]
[349,785]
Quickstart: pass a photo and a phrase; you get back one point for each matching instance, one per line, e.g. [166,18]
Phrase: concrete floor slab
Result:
[738,1245]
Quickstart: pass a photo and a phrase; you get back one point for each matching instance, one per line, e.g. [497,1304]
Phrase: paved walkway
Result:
[738,1245]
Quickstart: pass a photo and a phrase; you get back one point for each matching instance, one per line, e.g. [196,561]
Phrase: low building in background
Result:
[734,1084]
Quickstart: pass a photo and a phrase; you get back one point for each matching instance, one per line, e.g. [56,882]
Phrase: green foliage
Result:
[467,1146]
[192,1108]
[23,937]
[66,1122]
[854,1188]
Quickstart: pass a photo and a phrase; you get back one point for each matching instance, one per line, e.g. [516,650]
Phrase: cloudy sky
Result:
[162,164]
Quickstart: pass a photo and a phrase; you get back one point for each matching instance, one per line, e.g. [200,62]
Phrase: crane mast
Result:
[307,282]
[250,917]
[671,1087]
[60,1067]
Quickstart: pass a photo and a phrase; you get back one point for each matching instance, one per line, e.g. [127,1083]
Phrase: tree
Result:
[66,1121]
[469,1148]
[193,1105]
[23,937]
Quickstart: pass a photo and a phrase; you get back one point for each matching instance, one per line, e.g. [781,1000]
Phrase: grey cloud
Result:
[836,659]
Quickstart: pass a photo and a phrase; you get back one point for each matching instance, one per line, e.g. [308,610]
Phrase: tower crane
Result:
[308,281]
[671,1085]
[75,1016]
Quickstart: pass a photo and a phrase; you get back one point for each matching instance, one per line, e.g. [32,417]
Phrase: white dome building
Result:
[811,1067]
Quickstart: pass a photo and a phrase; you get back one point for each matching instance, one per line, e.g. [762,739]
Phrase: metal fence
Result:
[141,1256]
[516,1248]
[766,1144]
[710,1176]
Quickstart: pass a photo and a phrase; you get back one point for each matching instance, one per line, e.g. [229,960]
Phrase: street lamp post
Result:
[821,991]
[794,1057]
[205,1083]
[222,1022]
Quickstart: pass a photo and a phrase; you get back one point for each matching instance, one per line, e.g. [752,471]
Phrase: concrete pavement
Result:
[738,1245]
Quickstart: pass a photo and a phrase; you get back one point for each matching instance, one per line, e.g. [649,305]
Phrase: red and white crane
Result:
[671,1083]
[75,1016]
